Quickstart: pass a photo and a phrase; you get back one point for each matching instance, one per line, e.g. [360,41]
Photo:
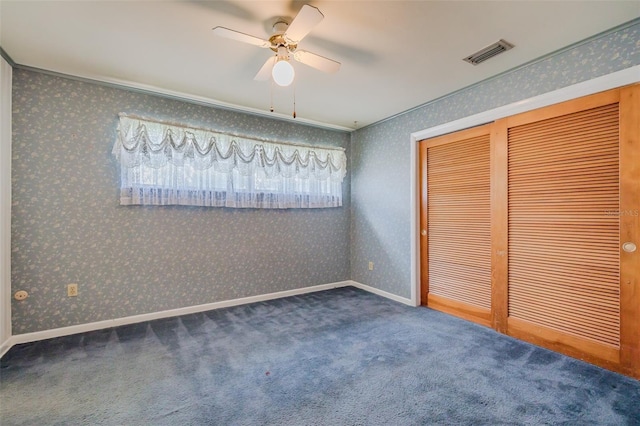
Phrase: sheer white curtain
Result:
[163,163]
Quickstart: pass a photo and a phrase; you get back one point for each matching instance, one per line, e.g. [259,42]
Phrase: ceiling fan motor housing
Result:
[278,40]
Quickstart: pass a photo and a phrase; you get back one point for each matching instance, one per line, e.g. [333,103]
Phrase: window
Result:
[168,164]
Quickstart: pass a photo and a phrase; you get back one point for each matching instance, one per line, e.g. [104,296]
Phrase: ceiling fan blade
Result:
[238,36]
[316,61]
[305,20]
[265,71]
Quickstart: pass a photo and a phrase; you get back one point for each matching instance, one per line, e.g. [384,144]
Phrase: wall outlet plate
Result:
[21,295]
[72,290]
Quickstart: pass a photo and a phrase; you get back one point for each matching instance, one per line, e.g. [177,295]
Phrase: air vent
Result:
[488,52]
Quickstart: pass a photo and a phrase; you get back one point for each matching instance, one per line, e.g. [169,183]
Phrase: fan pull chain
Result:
[294,99]
[271,108]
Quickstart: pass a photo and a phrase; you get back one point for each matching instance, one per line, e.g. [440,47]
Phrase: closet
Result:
[529,226]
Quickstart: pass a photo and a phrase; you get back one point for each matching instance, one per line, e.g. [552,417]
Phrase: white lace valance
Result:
[163,163]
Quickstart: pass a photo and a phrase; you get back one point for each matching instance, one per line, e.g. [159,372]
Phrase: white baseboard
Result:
[5,346]
[99,325]
[382,293]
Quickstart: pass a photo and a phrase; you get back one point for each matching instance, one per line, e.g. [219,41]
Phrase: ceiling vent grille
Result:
[488,52]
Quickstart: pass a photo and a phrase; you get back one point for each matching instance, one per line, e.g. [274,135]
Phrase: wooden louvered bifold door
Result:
[458,220]
[563,230]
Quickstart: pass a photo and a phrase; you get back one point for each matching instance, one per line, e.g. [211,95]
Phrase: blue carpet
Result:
[338,357]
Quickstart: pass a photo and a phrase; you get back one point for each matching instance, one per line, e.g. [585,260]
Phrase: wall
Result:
[69,228]
[380,156]
[5,202]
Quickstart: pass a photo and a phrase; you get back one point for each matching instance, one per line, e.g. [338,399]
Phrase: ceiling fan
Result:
[284,42]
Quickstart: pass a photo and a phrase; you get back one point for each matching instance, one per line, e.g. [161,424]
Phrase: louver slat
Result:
[564,259]
[459,226]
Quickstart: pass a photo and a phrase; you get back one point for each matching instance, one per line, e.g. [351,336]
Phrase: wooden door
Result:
[547,263]
[566,207]
[456,214]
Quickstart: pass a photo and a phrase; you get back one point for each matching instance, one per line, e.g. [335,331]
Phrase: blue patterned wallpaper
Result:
[69,228]
[380,156]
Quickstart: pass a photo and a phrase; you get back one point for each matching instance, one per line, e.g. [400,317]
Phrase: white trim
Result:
[382,293]
[414,211]
[599,84]
[5,203]
[6,345]
[182,96]
[213,102]
[99,325]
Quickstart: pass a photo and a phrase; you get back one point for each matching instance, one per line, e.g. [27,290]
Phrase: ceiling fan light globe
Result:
[283,73]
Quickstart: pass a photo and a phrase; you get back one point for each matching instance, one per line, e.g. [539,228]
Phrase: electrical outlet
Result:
[21,295]
[72,290]
[371,266]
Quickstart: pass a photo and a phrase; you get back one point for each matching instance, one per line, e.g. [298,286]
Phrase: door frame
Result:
[6,72]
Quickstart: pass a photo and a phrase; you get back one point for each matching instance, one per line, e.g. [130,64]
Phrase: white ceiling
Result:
[395,55]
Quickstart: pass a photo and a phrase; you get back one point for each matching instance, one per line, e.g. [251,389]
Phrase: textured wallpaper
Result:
[380,156]
[69,228]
